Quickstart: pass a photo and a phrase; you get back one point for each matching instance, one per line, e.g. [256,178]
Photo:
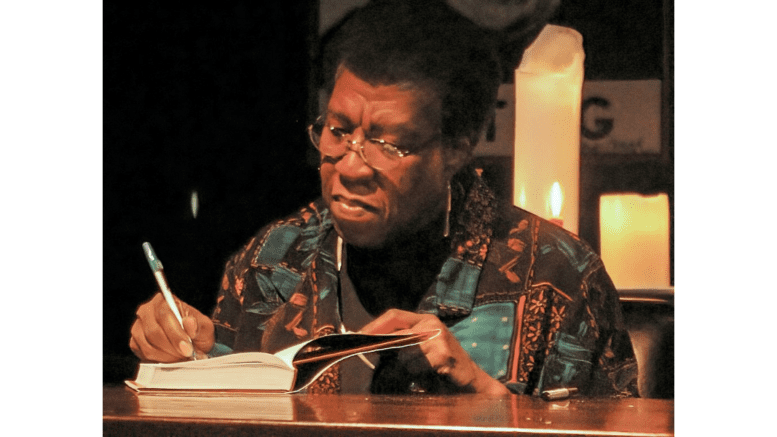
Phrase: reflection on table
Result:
[125,413]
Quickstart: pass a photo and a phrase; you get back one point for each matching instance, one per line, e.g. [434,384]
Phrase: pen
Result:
[159,274]
[558,394]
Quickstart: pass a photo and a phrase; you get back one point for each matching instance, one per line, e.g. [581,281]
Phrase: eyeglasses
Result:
[335,142]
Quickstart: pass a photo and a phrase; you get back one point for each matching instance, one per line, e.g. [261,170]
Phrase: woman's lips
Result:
[352,208]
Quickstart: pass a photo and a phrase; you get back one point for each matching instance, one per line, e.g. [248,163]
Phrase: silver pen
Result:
[558,394]
[156,267]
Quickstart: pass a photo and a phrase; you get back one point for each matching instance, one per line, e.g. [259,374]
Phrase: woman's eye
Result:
[387,148]
[338,132]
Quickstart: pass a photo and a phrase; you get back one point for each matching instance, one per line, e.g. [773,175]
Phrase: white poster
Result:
[499,136]
[621,116]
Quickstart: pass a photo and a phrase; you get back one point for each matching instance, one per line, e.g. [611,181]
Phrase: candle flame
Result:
[556,200]
[522,197]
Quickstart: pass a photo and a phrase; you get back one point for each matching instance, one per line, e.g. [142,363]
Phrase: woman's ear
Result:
[457,156]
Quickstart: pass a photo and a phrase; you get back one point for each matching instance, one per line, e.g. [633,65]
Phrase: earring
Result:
[447,229]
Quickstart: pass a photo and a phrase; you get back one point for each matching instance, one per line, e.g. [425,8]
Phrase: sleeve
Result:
[228,312]
[614,370]
[592,350]
[236,318]
[256,283]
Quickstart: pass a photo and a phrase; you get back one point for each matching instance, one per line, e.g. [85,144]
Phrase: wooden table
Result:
[125,413]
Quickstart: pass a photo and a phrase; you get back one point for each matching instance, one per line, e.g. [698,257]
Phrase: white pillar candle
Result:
[548,92]
[634,233]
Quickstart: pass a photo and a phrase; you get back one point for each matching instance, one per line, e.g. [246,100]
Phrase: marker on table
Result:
[159,274]
[558,394]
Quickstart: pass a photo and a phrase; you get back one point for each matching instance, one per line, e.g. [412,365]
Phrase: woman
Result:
[407,237]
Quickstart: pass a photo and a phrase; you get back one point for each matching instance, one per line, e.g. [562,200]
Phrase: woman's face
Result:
[371,207]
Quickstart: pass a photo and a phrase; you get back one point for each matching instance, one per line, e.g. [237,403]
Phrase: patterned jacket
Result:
[530,302]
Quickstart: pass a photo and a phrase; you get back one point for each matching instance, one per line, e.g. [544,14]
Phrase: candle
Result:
[556,201]
[634,232]
[548,93]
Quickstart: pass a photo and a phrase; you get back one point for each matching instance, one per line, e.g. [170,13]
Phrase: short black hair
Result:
[427,45]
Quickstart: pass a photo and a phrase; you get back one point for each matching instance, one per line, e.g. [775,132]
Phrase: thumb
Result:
[200,329]
[191,326]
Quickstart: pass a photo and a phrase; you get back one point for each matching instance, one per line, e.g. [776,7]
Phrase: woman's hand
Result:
[157,336]
[444,353]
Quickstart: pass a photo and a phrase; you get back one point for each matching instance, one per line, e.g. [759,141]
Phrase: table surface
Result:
[126,413]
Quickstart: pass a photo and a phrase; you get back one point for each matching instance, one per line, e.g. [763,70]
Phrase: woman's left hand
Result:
[444,353]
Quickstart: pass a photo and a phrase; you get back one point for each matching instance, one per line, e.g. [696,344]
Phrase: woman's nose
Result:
[353,165]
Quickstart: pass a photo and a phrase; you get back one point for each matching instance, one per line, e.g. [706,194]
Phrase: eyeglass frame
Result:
[400,152]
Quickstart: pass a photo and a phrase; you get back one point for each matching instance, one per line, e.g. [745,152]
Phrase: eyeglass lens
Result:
[375,154]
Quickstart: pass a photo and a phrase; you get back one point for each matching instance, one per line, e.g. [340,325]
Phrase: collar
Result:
[472,220]
[472,228]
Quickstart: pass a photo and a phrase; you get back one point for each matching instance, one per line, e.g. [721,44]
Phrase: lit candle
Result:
[634,232]
[548,93]
[556,200]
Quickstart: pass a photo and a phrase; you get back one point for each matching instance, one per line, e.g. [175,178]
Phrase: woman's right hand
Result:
[157,336]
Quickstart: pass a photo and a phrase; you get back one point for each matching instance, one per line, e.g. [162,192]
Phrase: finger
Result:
[440,358]
[200,329]
[414,360]
[206,334]
[146,351]
[443,353]
[195,323]
[178,340]
[393,320]
[148,334]
[190,326]
[163,331]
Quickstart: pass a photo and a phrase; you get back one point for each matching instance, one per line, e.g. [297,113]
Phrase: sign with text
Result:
[499,136]
[621,116]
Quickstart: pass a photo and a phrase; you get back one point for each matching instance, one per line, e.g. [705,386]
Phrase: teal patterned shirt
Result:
[530,302]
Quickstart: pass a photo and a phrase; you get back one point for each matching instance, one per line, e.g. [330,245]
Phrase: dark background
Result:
[211,99]
[216,100]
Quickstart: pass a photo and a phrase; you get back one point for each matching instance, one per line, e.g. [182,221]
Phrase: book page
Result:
[220,405]
[243,376]
[328,350]
[227,360]
[241,371]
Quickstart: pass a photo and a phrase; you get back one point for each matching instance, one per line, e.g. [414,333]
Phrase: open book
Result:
[287,371]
